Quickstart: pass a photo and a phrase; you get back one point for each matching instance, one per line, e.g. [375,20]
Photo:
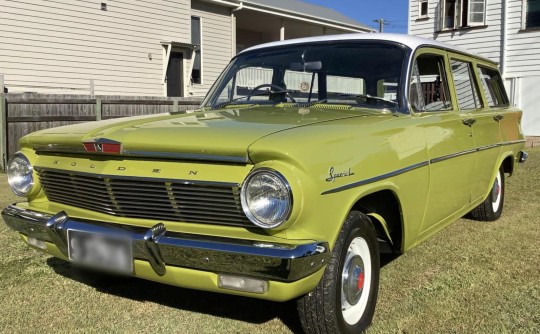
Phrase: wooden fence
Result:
[21,114]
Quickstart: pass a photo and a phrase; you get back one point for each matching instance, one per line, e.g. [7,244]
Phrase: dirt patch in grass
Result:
[470,278]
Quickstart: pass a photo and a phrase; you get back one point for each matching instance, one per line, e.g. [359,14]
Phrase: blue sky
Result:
[365,11]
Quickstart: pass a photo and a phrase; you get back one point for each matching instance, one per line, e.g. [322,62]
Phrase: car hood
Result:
[221,133]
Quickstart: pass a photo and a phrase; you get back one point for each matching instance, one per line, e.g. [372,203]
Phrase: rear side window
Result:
[493,87]
[466,90]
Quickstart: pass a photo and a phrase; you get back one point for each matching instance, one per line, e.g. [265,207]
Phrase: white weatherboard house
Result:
[506,31]
[150,48]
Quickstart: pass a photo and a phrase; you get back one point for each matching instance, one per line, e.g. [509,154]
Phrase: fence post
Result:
[1,84]
[3,131]
[98,109]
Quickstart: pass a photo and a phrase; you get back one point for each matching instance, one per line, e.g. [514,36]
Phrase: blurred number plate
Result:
[101,251]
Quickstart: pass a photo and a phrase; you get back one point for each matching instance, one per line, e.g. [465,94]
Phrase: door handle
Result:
[498,117]
[469,121]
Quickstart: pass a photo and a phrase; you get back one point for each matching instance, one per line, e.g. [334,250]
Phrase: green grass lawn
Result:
[470,278]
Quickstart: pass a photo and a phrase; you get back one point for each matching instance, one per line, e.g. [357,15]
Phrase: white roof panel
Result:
[413,42]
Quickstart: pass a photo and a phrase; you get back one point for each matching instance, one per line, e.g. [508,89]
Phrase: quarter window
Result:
[493,87]
[455,14]
[532,13]
[196,73]
[429,88]
[466,90]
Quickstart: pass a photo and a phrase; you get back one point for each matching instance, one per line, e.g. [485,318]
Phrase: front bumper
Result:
[163,249]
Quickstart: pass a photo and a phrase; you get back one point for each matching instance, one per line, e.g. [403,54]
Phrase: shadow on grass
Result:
[388,258]
[221,305]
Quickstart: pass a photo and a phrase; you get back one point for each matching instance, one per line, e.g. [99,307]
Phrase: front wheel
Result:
[344,300]
[491,208]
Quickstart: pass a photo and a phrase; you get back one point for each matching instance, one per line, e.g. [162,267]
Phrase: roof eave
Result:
[240,4]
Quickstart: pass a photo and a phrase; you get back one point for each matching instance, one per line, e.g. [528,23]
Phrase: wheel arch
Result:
[383,208]
[508,164]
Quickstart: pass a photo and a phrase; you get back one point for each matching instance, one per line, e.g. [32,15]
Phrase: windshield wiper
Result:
[345,96]
[266,92]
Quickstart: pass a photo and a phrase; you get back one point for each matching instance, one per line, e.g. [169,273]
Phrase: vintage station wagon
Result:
[307,160]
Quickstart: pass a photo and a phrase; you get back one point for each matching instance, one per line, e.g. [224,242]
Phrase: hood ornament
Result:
[103,145]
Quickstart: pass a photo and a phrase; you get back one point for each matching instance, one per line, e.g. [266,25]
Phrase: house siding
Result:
[522,52]
[523,47]
[481,40]
[54,46]
[217,43]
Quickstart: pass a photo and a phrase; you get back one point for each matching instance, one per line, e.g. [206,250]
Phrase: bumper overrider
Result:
[163,249]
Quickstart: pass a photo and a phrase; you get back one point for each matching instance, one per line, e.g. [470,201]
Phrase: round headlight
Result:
[20,175]
[266,198]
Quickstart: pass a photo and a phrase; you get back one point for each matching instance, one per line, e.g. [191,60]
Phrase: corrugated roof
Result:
[307,9]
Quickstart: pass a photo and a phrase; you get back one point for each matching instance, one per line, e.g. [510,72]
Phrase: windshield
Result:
[359,74]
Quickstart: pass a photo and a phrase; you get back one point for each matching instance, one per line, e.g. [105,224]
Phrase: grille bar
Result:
[146,198]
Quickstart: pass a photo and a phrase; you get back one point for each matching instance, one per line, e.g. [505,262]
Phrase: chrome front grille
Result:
[157,199]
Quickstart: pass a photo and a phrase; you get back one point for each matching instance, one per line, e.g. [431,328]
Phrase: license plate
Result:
[110,253]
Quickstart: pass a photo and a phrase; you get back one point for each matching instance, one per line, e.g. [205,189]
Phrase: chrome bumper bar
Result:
[162,248]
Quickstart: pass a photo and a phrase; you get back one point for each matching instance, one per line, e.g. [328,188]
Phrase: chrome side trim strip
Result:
[487,147]
[513,142]
[419,165]
[280,262]
[450,156]
[136,178]
[54,148]
[376,178]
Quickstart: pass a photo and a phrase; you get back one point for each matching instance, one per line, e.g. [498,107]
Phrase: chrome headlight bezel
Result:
[285,187]
[16,188]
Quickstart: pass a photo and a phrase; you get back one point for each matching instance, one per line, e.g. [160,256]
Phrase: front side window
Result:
[455,14]
[466,90]
[493,87]
[532,13]
[359,74]
[428,90]
[196,73]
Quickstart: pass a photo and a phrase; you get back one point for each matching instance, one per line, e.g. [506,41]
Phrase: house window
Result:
[422,9]
[196,72]
[532,13]
[455,14]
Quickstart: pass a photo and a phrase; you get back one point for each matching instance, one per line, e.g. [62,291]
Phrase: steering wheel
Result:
[277,88]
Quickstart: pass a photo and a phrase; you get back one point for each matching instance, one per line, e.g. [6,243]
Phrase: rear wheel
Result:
[491,208]
[344,301]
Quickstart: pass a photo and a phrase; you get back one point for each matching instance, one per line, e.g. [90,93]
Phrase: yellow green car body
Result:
[412,173]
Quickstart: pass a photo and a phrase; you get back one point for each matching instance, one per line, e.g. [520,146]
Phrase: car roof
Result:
[413,42]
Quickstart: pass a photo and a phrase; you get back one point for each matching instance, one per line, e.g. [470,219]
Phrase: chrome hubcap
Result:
[355,281]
